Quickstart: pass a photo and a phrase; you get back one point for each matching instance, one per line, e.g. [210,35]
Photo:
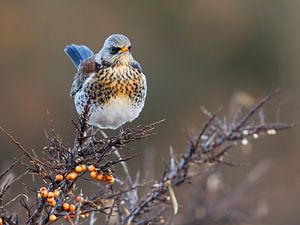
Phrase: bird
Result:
[109,84]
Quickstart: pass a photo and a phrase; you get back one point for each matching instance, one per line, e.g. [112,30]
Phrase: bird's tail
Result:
[78,53]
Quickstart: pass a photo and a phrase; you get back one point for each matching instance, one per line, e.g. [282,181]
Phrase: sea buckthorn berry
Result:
[78,169]
[39,195]
[79,198]
[75,174]
[50,194]
[44,192]
[56,193]
[72,176]
[72,208]
[53,203]
[72,215]
[52,218]
[91,168]
[83,167]
[94,174]
[50,199]
[43,189]
[1,221]
[110,179]
[59,177]
[104,178]
[66,206]
[100,176]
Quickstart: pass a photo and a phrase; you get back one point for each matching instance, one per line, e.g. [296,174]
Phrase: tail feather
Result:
[78,53]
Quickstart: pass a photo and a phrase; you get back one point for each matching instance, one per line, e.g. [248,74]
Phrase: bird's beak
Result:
[124,49]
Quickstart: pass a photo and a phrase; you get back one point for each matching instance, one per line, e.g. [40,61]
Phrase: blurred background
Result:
[194,53]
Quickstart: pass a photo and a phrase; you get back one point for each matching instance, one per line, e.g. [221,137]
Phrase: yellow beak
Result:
[124,49]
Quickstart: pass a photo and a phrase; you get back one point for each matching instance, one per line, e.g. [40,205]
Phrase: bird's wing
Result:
[86,68]
[78,81]
[84,60]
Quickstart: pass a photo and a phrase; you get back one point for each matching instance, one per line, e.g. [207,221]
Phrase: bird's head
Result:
[116,50]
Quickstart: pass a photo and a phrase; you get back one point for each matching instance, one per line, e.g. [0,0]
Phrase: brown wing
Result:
[86,68]
[89,66]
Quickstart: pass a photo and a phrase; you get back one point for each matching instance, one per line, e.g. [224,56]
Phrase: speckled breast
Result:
[116,94]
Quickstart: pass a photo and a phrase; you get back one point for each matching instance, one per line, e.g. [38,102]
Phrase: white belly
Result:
[114,114]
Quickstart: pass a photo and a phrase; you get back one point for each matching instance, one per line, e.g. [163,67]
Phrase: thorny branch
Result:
[210,146]
[65,169]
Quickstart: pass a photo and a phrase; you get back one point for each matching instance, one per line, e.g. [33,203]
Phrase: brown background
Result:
[194,53]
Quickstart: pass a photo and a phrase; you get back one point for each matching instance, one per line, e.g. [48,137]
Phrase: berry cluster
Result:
[73,175]
[67,208]
[50,196]
[97,174]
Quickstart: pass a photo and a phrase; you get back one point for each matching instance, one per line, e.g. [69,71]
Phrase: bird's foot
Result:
[121,132]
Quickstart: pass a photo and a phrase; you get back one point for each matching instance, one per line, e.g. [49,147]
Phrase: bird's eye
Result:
[129,48]
[114,50]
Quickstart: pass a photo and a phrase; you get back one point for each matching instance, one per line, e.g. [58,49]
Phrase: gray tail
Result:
[78,53]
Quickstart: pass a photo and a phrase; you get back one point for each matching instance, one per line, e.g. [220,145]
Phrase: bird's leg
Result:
[121,132]
[94,131]
[94,140]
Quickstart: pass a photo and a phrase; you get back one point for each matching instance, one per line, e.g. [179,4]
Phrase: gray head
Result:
[116,50]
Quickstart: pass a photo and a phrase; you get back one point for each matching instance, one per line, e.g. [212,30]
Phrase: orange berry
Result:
[52,218]
[104,178]
[78,169]
[94,174]
[56,193]
[72,208]
[1,221]
[50,199]
[50,194]
[91,168]
[66,206]
[83,167]
[43,189]
[72,176]
[110,179]
[79,198]
[44,192]
[72,215]
[53,203]
[39,195]
[59,177]
[100,176]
